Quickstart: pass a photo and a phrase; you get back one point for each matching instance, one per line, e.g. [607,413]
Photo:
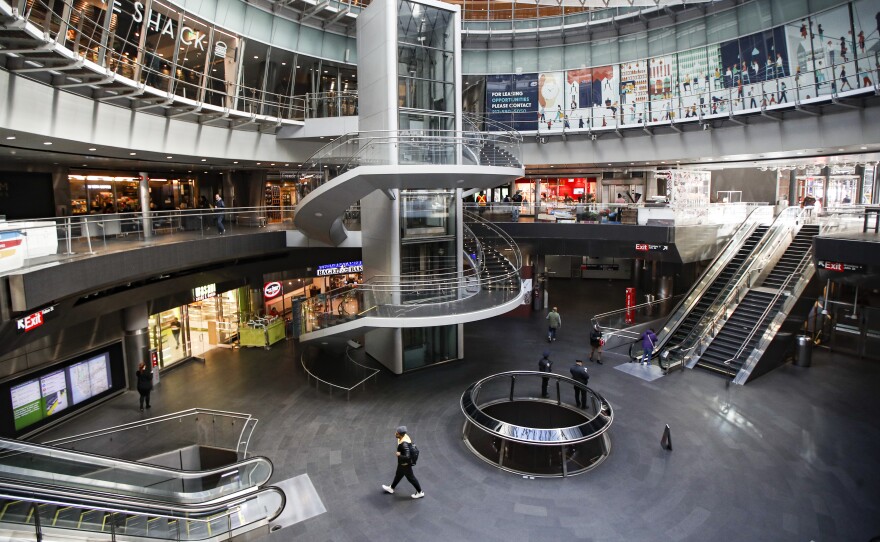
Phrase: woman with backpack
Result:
[407,455]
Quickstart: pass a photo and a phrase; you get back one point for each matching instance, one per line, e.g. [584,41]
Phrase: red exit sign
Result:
[840,267]
[32,321]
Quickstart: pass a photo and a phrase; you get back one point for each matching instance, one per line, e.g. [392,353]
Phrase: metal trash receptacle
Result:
[803,351]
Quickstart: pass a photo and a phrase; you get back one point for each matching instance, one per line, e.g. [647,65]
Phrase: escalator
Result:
[710,295]
[737,343]
[77,495]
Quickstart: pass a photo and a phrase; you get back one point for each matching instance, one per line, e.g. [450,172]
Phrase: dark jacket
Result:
[595,338]
[579,373]
[545,365]
[144,380]
[404,449]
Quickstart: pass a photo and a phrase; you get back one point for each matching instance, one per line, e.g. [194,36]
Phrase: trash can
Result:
[803,351]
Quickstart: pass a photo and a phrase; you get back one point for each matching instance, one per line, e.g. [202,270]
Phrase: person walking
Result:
[596,343]
[582,376]
[404,464]
[545,366]
[554,322]
[482,203]
[144,385]
[649,339]
[218,208]
[175,331]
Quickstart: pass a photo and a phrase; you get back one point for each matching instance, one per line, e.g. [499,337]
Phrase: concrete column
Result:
[792,188]
[144,195]
[537,201]
[136,340]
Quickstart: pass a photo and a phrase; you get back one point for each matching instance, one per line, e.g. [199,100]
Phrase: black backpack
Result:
[413,453]
[544,365]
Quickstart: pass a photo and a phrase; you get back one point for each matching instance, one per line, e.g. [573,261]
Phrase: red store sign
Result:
[271,290]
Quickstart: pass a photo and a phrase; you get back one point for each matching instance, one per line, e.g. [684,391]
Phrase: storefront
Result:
[559,190]
[95,194]
[281,193]
[210,321]
[279,296]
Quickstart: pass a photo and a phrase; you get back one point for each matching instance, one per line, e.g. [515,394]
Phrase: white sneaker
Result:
[418,495]
[388,489]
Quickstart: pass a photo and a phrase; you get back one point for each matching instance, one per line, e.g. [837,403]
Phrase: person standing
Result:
[649,339]
[175,331]
[404,464]
[516,208]
[580,374]
[144,385]
[482,203]
[554,322]
[218,208]
[596,342]
[545,366]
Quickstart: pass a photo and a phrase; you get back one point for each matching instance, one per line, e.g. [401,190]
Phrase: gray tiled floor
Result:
[791,456]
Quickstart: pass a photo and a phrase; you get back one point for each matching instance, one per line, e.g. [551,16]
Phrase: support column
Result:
[792,188]
[136,340]
[144,196]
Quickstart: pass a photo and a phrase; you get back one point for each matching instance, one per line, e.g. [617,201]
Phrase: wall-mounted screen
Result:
[48,395]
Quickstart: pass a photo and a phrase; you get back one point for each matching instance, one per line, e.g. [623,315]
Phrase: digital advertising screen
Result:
[52,393]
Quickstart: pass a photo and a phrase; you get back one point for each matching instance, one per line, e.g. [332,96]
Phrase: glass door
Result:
[168,336]
[842,190]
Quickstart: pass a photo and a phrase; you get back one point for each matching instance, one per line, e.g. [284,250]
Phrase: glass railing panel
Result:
[41,241]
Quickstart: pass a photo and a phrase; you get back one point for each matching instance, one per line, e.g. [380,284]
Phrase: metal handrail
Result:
[331,384]
[159,419]
[604,410]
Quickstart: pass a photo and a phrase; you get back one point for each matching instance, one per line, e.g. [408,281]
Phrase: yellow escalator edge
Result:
[10,503]
[57,513]
[148,524]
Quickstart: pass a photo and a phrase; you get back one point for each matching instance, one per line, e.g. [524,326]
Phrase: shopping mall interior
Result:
[242,242]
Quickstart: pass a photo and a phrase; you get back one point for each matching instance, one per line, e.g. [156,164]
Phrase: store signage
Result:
[840,267]
[600,267]
[163,24]
[32,321]
[204,292]
[644,247]
[271,290]
[340,268]
[99,186]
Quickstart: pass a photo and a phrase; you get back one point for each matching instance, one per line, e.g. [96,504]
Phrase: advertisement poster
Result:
[26,404]
[513,100]
[662,88]
[694,81]
[99,375]
[800,60]
[53,388]
[633,92]
[552,115]
[866,21]
[606,100]
[833,51]
[718,101]
[579,92]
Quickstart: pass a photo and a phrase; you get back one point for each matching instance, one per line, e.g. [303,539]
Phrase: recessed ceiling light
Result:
[864,148]
[204,159]
[256,57]
[319,215]
[234,162]
[132,154]
[169,157]
[47,143]
[841,150]
[286,165]
[271,164]
[551,165]
[84,165]
[93,149]
[10,138]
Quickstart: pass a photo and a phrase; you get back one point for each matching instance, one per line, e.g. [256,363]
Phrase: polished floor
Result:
[792,456]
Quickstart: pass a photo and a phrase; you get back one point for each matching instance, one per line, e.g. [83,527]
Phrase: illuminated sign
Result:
[340,268]
[644,247]
[204,292]
[840,267]
[271,289]
[32,321]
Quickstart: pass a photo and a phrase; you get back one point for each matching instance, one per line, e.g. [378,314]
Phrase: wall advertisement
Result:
[834,51]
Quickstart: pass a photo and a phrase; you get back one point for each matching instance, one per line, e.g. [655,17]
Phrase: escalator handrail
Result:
[747,228]
[136,507]
[110,462]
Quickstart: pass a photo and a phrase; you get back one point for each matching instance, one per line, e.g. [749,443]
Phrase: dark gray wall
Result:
[756,185]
